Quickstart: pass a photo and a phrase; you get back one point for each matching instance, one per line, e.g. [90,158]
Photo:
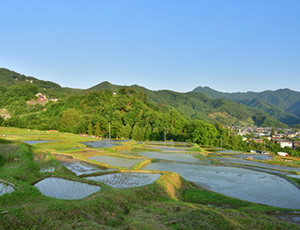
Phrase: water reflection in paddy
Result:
[5,188]
[255,163]
[37,142]
[79,167]
[116,161]
[167,148]
[127,180]
[65,189]
[228,151]
[239,183]
[254,156]
[181,157]
[104,143]
[170,143]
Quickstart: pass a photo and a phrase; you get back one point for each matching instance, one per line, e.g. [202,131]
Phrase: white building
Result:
[285,143]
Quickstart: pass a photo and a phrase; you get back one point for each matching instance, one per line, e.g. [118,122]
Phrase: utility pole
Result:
[221,144]
[165,135]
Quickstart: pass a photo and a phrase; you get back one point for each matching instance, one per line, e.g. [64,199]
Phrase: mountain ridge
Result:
[192,105]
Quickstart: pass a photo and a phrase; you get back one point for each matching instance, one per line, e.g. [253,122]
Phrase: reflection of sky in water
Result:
[255,156]
[127,180]
[254,163]
[65,189]
[5,188]
[228,151]
[104,143]
[170,143]
[116,161]
[171,156]
[37,142]
[80,168]
[237,182]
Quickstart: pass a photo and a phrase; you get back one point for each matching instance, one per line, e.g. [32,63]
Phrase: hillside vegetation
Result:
[282,104]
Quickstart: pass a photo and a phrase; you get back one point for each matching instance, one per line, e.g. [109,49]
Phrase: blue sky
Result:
[229,45]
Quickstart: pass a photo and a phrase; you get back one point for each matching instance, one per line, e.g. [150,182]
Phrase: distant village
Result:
[286,138]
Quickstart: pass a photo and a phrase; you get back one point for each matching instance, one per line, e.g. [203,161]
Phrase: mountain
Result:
[282,104]
[272,110]
[295,108]
[283,98]
[193,105]
[199,106]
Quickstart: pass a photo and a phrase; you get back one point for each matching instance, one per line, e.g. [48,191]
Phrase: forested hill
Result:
[284,99]
[19,101]
[10,78]
[199,106]
[282,104]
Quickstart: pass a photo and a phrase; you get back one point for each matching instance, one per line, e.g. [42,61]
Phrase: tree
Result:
[97,129]
[70,120]
[90,128]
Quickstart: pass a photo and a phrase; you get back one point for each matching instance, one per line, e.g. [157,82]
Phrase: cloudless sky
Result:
[229,45]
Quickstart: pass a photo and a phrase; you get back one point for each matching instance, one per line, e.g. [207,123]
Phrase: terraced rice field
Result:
[65,189]
[104,143]
[127,180]
[240,183]
[116,161]
[80,167]
[261,157]
[179,157]
[37,142]
[231,160]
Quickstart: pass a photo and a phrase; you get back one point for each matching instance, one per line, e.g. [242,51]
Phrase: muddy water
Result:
[116,161]
[240,183]
[127,180]
[180,157]
[65,189]
[5,188]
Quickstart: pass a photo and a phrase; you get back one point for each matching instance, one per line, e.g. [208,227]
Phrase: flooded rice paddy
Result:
[169,144]
[65,189]
[240,183]
[261,157]
[103,143]
[127,180]
[5,188]
[180,157]
[117,161]
[37,142]
[80,167]
[231,160]
[228,151]
[295,176]
[167,148]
